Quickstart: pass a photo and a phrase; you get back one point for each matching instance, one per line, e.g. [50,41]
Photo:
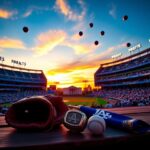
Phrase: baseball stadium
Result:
[126,80]
[74,74]
[17,83]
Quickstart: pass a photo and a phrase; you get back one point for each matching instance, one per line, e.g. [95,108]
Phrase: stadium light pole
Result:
[85,81]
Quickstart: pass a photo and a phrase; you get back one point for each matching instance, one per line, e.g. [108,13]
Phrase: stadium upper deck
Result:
[126,80]
[16,83]
[131,70]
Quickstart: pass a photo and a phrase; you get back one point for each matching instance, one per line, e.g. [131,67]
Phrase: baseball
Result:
[96,125]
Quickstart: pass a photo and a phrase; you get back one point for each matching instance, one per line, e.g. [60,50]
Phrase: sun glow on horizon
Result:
[74,78]
[80,75]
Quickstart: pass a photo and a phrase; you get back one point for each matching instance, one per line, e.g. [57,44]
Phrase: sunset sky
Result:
[53,44]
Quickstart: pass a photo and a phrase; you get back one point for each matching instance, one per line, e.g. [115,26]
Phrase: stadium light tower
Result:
[85,81]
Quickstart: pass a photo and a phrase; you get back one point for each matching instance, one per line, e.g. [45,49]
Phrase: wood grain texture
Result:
[61,138]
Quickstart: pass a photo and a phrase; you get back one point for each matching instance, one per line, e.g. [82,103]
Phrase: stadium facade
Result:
[17,83]
[126,79]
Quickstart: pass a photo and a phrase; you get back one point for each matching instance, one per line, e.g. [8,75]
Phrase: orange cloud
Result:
[5,14]
[76,77]
[82,48]
[76,66]
[11,43]
[75,72]
[76,37]
[49,40]
[65,9]
[81,69]
[90,61]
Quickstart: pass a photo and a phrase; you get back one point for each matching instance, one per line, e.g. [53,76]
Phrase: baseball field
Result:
[74,100]
[80,100]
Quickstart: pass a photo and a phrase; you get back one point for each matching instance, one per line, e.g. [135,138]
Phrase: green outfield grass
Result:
[81,100]
[73,100]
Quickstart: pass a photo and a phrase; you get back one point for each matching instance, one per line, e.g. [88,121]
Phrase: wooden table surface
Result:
[61,138]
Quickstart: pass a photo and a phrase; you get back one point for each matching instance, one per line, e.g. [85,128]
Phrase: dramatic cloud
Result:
[48,41]
[76,37]
[91,61]
[6,14]
[76,67]
[112,11]
[83,68]
[82,48]
[74,75]
[11,43]
[65,9]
